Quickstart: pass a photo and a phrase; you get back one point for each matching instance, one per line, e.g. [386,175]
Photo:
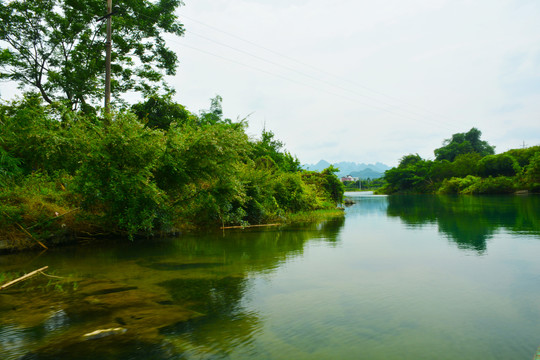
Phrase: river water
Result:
[401,277]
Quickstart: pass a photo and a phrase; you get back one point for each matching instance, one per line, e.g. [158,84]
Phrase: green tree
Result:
[57,47]
[464,143]
[160,111]
[116,177]
[465,164]
[332,185]
[532,173]
[413,174]
[270,148]
[498,165]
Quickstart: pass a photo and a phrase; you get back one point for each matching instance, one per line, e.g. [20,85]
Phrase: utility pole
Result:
[108,46]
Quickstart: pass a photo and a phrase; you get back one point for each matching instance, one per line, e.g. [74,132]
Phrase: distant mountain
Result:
[367,174]
[349,168]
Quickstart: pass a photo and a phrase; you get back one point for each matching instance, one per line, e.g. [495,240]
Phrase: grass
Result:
[312,216]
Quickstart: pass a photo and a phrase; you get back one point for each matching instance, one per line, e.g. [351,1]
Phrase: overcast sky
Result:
[366,81]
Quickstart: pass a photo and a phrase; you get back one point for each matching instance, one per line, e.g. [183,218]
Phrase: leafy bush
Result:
[524,156]
[291,193]
[491,185]
[166,168]
[326,185]
[45,138]
[531,174]
[465,164]
[9,167]
[457,185]
[498,165]
[116,175]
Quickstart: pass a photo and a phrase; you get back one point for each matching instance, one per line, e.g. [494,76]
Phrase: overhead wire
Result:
[356,101]
[431,122]
[300,72]
[315,68]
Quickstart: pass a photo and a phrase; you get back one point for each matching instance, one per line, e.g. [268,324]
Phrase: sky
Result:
[365,81]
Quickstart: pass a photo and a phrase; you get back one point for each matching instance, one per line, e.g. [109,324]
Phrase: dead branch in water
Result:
[248,226]
[22,278]
[26,231]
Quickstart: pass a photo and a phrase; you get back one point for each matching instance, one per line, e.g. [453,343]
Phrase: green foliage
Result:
[160,111]
[524,156]
[464,143]
[200,170]
[260,205]
[491,185]
[413,174]
[291,193]
[476,185]
[57,47]
[332,185]
[269,148]
[457,185]
[326,184]
[44,138]
[465,164]
[498,165]
[158,170]
[9,167]
[116,175]
[532,173]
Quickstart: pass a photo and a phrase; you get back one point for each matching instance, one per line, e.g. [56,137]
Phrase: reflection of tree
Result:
[367,205]
[468,220]
[180,297]
[225,322]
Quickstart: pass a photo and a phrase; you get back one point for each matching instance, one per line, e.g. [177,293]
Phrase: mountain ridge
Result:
[354,169]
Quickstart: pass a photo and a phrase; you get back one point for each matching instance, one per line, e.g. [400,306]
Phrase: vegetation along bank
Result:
[465,164]
[154,168]
[70,169]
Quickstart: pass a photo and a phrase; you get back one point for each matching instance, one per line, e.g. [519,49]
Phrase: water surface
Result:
[408,277]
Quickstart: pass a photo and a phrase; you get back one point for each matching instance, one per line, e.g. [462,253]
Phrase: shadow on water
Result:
[469,221]
[171,298]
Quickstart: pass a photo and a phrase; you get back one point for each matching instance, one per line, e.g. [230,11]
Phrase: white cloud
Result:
[384,79]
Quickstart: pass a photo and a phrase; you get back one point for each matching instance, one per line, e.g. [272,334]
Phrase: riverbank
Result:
[73,227]
[378,277]
[68,177]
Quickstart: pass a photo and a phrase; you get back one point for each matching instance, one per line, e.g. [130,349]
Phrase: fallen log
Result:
[24,277]
[248,226]
[26,232]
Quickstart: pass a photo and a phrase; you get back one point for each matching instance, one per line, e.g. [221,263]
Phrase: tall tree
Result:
[57,48]
[464,143]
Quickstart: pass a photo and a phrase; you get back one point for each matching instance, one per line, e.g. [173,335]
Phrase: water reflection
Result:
[178,298]
[469,221]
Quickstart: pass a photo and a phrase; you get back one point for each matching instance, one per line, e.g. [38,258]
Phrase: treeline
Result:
[151,167]
[363,184]
[466,165]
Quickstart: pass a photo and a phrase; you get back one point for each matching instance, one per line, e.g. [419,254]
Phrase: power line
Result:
[306,85]
[294,70]
[300,72]
[316,68]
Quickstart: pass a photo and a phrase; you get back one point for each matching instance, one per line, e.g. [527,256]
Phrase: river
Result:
[400,277]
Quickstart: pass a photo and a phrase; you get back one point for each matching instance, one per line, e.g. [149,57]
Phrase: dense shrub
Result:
[531,174]
[498,165]
[471,157]
[116,177]
[9,167]
[491,185]
[457,185]
[160,169]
